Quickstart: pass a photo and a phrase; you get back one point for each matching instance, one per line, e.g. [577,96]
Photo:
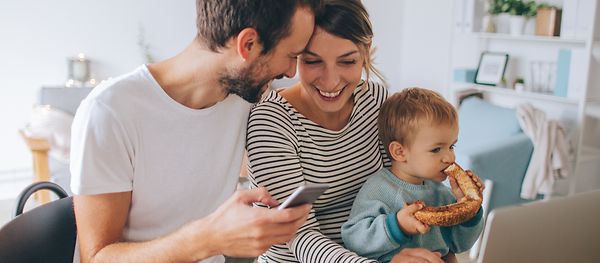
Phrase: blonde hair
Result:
[402,113]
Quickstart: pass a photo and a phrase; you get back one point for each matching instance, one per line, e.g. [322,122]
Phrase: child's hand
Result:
[477,180]
[456,189]
[407,221]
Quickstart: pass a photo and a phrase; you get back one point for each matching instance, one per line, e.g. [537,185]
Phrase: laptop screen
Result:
[557,230]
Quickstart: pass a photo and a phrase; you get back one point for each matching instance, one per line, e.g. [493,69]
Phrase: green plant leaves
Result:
[513,7]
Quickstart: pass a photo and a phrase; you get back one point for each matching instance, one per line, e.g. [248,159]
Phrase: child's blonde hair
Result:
[402,113]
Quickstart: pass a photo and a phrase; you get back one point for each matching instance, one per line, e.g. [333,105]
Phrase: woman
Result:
[322,130]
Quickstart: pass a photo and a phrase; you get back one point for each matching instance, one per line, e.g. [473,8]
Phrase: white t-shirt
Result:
[179,163]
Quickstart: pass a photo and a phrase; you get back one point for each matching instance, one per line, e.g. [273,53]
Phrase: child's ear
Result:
[398,151]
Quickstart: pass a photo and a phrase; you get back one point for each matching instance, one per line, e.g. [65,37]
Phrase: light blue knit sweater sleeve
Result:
[372,229]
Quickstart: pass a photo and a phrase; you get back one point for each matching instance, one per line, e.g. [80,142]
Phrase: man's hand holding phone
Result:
[238,229]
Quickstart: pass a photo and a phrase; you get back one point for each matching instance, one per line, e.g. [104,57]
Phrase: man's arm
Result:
[100,222]
[234,229]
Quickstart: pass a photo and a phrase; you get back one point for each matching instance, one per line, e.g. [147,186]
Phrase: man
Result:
[156,153]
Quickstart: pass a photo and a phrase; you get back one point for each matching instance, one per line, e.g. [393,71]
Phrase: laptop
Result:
[563,229]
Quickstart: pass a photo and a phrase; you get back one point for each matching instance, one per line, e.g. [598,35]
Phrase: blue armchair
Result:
[492,144]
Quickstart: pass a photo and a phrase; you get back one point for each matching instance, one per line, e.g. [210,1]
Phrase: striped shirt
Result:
[286,150]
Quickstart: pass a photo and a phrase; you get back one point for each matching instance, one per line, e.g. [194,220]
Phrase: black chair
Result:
[46,233]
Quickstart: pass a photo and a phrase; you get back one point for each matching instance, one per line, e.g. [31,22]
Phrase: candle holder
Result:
[79,71]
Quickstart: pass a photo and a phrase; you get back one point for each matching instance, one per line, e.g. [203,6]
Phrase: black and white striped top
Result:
[285,150]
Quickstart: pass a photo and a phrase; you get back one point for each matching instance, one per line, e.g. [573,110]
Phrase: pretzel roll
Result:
[456,213]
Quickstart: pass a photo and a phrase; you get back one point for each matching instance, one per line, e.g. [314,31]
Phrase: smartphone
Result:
[304,194]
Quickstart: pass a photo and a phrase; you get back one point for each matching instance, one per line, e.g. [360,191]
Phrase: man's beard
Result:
[242,84]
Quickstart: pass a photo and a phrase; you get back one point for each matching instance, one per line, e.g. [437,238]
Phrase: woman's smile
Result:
[330,96]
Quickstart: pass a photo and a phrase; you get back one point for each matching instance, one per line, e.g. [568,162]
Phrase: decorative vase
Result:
[517,25]
[519,87]
[502,23]
[487,24]
[530,26]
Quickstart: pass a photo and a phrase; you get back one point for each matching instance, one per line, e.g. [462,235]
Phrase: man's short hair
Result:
[219,20]
[403,113]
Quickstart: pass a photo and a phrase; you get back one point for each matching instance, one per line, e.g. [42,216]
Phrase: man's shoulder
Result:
[234,109]
[122,88]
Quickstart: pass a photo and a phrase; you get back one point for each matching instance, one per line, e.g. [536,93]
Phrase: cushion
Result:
[481,121]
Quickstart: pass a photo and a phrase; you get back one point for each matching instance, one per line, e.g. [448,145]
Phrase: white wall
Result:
[38,36]
[426,44]
[413,39]
[387,29]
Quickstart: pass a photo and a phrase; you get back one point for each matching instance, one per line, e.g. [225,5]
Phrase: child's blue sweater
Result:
[372,229]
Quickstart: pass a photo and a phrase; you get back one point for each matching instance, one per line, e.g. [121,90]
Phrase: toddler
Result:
[419,130]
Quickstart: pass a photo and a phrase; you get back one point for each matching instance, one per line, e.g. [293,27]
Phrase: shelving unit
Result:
[579,110]
[532,38]
[524,94]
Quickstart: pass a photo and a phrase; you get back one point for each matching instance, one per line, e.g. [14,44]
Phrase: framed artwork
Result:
[491,68]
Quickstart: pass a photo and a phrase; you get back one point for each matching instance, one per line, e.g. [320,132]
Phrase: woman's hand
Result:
[417,255]
[456,189]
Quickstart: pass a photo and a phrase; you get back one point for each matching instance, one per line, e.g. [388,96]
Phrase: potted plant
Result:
[520,12]
[511,15]
[519,85]
[499,17]
[531,14]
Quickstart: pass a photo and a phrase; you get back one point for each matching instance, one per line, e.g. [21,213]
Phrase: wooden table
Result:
[39,149]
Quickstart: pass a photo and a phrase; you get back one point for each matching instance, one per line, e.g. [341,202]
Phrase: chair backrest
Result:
[31,189]
[44,234]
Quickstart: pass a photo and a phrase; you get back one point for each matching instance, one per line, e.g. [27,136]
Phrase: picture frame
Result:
[491,68]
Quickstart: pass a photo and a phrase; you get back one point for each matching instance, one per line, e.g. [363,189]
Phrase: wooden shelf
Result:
[530,38]
[527,95]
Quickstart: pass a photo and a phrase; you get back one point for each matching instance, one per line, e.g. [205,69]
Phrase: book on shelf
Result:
[563,65]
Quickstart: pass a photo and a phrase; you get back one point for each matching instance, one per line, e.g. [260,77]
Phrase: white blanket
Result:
[53,125]
[551,152]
